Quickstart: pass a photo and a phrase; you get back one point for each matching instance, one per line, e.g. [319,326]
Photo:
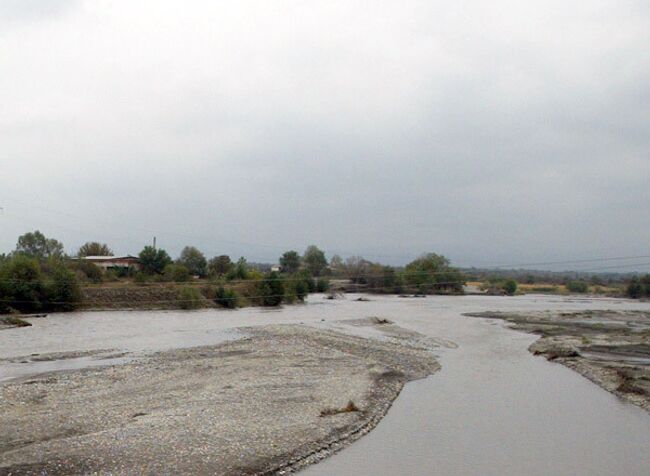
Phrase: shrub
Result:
[25,288]
[322,285]
[62,291]
[21,285]
[306,278]
[226,297]
[270,290]
[177,273]
[300,290]
[90,270]
[577,286]
[189,298]
[140,278]
[510,287]
[638,288]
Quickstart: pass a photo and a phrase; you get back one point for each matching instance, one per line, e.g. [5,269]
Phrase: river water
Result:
[493,409]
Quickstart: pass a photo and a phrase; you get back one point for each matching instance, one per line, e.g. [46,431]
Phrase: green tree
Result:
[37,245]
[93,248]
[577,286]
[432,272]
[194,261]
[62,290]
[290,262]
[239,271]
[226,297]
[510,287]
[153,261]
[314,260]
[21,284]
[270,290]
[219,265]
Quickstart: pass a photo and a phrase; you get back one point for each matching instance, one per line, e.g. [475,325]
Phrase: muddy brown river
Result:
[493,409]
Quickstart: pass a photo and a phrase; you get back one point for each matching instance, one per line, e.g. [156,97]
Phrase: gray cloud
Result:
[493,133]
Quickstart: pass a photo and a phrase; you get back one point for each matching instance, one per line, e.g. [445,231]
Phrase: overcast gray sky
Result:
[491,132]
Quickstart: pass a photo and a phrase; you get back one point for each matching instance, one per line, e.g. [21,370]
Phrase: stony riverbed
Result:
[272,401]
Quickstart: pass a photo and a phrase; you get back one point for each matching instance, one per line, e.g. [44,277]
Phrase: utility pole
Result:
[154,242]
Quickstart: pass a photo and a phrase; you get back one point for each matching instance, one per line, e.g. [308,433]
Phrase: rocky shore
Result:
[268,403]
[610,348]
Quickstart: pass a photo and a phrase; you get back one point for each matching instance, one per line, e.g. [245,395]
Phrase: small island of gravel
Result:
[280,398]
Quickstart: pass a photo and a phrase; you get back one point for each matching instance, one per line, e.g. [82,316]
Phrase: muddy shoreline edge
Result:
[609,348]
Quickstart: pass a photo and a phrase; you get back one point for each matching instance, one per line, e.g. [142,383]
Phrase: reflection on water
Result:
[493,409]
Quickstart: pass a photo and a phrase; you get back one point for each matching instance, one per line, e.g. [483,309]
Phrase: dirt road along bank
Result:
[610,348]
[269,403]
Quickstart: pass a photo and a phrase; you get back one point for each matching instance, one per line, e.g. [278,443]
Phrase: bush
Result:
[62,291]
[577,286]
[177,273]
[639,287]
[25,288]
[270,290]
[322,285]
[140,278]
[90,270]
[189,298]
[510,287]
[21,285]
[306,278]
[300,290]
[226,298]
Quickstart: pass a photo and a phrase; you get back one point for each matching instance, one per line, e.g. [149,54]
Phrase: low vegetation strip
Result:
[251,406]
[611,348]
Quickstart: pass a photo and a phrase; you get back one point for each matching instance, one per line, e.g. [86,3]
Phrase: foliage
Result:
[322,285]
[431,272]
[219,265]
[153,261]
[176,273]
[239,270]
[290,262]
[36,245]
[270,290]
[304,276]
[194,261]
[189,298]
[93,248]
[26,286]
[577,286]
[639,287]
[141,278]
[62,291]
[90,270]
[226,297]
[314,260]
[509,287]
[21,285]
[300,290]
